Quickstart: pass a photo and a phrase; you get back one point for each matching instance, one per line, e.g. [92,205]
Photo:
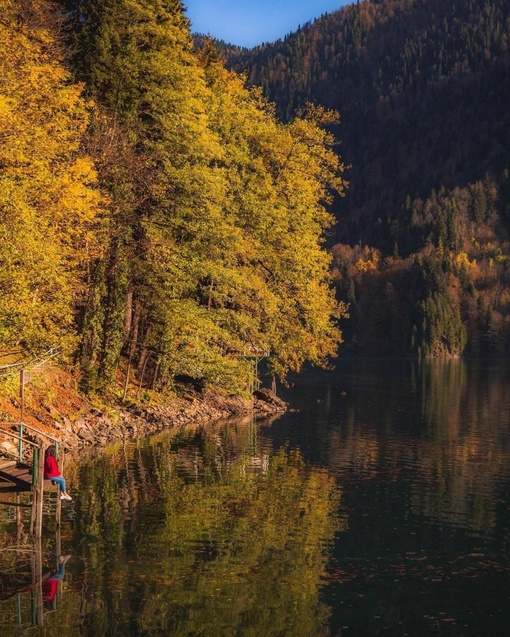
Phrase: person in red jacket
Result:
[51,472]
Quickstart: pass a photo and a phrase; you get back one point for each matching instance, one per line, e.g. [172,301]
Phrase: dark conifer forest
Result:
[421,244]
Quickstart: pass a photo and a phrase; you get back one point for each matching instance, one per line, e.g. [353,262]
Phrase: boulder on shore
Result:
[266,400]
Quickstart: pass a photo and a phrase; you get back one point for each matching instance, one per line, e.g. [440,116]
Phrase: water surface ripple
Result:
[378,505]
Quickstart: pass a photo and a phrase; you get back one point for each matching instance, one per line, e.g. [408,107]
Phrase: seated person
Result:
[51,472]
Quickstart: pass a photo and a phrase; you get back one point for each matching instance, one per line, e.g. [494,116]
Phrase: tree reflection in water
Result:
[205,533]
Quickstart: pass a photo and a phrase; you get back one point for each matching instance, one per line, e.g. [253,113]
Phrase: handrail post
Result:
[22,393]
[20,443]
[40,491]
[35,465]
[37,491]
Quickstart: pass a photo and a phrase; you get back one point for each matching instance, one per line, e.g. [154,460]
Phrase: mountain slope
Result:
[423,88]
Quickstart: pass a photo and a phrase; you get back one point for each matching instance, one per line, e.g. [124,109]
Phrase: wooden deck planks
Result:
[18,477]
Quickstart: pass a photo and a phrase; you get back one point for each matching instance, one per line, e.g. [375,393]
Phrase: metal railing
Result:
[35,455]
[29,366]
[22,426]
[16,437]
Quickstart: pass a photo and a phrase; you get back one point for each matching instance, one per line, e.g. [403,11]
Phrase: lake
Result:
[378,505]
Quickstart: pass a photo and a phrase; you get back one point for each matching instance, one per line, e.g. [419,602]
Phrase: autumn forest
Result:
[158,221]
[172,206]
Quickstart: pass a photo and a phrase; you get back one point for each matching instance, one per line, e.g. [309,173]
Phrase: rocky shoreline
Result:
[97,428]
[57,408]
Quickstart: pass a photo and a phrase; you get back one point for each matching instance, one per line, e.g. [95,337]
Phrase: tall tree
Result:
[48,199]
[217,210]
[279,179]
[137,59]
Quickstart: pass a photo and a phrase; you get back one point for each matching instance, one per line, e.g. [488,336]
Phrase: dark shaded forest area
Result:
[422,235]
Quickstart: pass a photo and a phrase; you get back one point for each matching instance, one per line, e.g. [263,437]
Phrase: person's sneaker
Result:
[63,497]
[67,497]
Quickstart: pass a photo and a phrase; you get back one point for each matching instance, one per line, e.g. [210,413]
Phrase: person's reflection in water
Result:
[50,584]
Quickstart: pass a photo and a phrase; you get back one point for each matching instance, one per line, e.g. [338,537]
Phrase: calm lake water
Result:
[379,506]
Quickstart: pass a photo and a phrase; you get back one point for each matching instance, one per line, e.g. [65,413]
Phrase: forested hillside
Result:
[423,89]
[157,221]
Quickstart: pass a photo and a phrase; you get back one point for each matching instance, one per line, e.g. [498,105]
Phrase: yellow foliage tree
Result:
[48,199]
[279,178]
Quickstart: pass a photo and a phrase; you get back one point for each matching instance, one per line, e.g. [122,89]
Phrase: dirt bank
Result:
[55,406]
[97,427]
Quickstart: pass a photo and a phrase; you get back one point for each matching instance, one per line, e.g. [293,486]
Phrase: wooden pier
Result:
[22,484]
[14,477]
[17,475]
